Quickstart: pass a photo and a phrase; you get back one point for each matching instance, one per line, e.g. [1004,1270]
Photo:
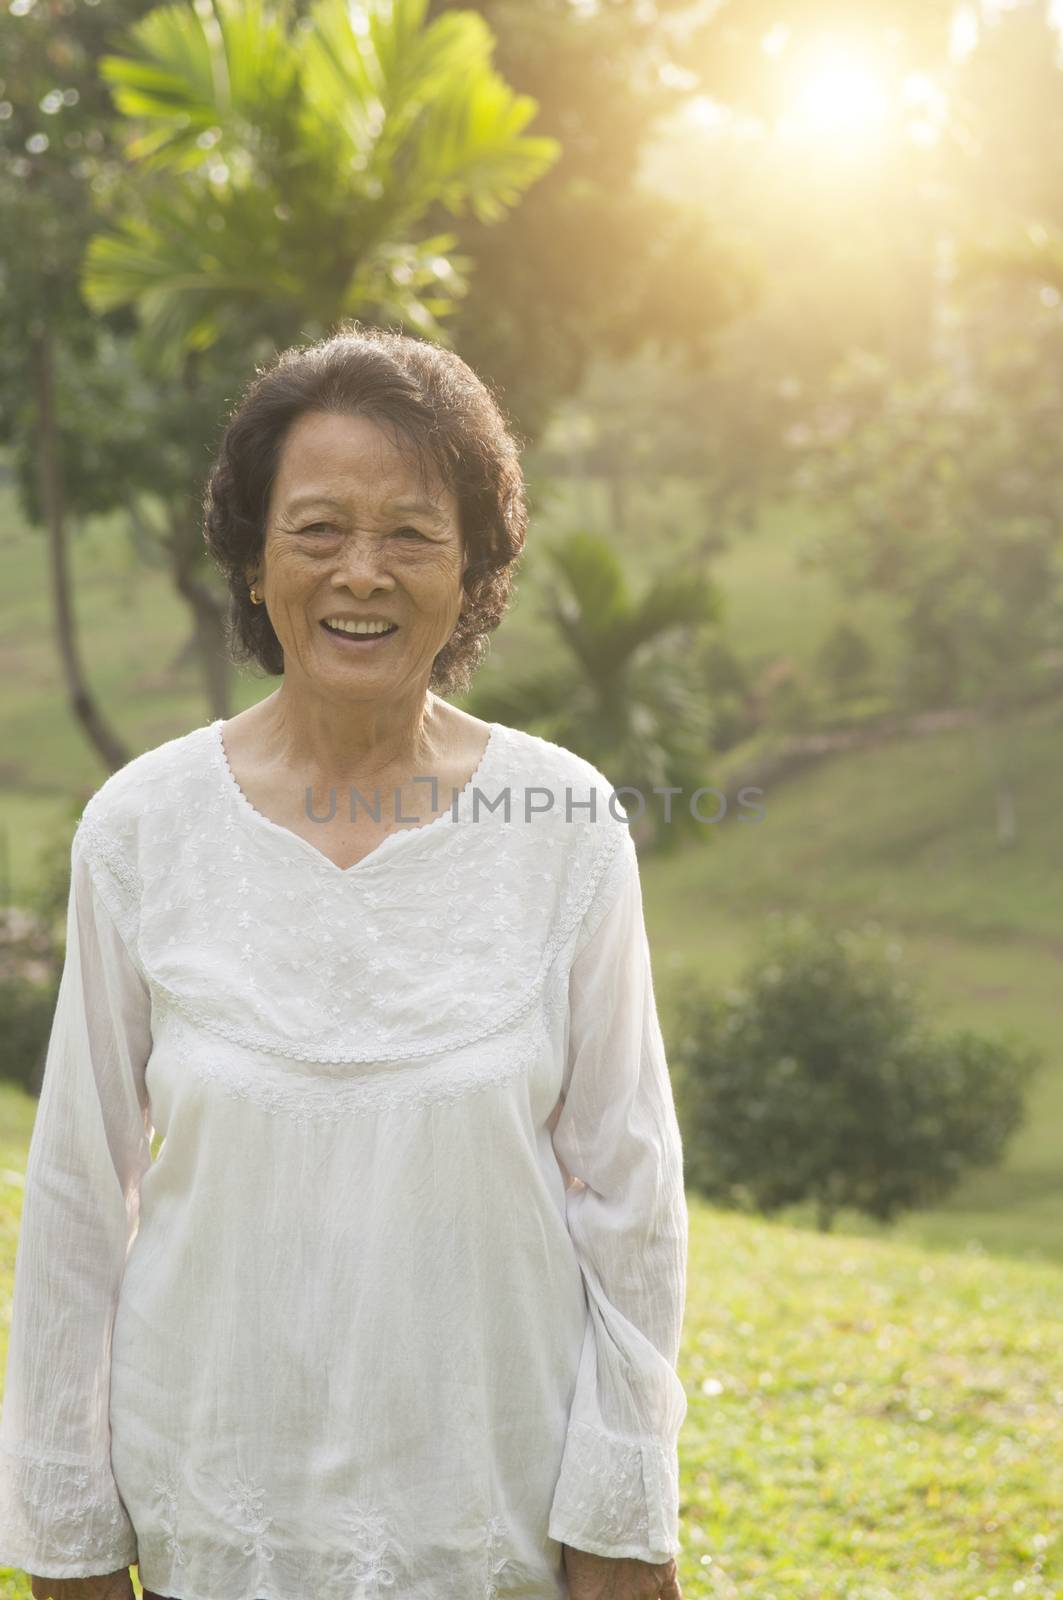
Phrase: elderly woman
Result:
[396,1308]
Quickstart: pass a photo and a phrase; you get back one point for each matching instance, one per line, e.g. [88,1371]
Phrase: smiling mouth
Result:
[360,638]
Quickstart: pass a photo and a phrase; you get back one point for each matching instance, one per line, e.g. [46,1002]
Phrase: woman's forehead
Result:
[354,463]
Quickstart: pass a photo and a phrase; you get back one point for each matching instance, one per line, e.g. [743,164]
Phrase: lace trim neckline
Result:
[252,814]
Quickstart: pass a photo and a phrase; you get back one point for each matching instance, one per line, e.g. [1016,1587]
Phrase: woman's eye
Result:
[326,527]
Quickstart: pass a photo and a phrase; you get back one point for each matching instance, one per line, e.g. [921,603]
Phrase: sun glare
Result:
[834,97]
[704,112]
[837,96]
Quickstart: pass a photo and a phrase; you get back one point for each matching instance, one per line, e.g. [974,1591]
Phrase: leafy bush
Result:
[32,945]
[29,985]
[845,661]
[26,1012]
[821,1079]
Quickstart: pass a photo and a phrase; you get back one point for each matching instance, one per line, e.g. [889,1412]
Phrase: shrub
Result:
[26,1012]
[821,1079]
[845,661]
[32,943]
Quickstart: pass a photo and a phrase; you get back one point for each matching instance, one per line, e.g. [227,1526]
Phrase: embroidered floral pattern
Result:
[496,1564]
[372,1542]
[606,890]
[373,1567]
[166,1490]
[72,1510]
[430,946]
[245,1501]
[611,1488]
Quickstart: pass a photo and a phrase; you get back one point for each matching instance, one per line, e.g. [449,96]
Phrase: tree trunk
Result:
[208,614]
[185,653]
[101,736]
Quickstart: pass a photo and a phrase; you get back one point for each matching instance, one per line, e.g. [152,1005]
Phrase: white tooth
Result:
[358,627]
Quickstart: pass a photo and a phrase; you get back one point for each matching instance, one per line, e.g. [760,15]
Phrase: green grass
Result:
[866,1420]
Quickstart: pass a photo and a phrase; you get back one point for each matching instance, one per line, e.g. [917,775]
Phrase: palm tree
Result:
[634,707]
[285,166]
[289,163]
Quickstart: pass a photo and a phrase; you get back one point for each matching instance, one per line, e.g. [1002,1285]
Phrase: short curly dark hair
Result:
[436,404]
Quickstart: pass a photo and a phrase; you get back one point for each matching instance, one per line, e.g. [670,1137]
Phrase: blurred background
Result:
[772,291]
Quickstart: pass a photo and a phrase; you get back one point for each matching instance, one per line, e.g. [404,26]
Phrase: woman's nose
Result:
[363,566]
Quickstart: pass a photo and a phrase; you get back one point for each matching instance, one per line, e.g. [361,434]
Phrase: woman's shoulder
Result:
[565,821]
[158,777]
[572,779]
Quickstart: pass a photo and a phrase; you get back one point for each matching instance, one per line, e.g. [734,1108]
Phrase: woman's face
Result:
[353,532]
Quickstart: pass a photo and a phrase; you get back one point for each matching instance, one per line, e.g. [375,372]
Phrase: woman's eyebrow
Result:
[421,508]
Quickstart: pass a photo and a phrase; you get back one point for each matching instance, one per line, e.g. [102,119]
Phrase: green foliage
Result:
[287,164]
[598,618]
[32,942]
[819,1079]
[946,496]
[634,706]
[26,1011]
[597,260]
[727,690]
[785,697]
[56,152]
[845,660]
[30,967]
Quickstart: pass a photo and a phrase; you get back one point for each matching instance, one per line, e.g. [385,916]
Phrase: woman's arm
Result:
[617,1132]
[61,1515]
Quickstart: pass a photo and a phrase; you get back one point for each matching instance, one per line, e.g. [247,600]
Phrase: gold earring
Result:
[256,599]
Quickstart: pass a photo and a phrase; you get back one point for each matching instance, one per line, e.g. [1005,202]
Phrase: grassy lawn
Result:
[867,1420]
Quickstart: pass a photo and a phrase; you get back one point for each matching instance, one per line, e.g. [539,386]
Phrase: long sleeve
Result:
[60,1512]
[617,1133]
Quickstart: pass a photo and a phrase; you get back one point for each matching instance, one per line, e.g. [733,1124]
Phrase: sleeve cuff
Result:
[61,1520]
[617,1497]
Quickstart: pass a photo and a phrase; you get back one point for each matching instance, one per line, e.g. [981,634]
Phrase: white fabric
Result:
[396,1309]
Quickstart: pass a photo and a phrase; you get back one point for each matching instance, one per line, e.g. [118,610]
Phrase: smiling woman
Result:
[398,589]
[396,1308]
[364,447]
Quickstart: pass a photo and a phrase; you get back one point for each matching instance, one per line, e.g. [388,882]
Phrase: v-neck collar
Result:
[256,817]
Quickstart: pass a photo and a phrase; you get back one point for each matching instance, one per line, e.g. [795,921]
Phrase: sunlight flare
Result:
[837,96]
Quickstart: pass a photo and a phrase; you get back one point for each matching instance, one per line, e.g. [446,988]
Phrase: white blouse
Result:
[396,1309]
